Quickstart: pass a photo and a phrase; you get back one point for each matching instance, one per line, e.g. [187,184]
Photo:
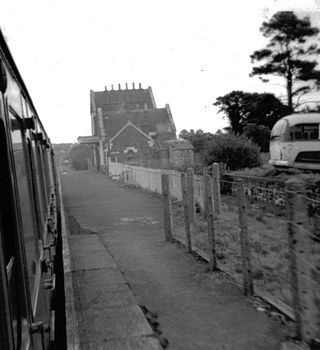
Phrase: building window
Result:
[130,154]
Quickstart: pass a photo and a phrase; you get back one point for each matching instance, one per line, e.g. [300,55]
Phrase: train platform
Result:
[101,311]
[119,269]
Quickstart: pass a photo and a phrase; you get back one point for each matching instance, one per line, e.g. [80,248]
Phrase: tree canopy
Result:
[290,54]
[197,138]
[79,156]
[243,108]
[252,114]
[231,105]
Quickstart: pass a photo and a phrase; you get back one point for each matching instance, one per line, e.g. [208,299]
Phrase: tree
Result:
[231,105]
[259,134]
[311,109]
[198,139]
[288,55]
[242,108]
[264,109]
[79,156]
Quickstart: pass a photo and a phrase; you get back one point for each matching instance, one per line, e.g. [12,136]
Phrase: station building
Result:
[127,127]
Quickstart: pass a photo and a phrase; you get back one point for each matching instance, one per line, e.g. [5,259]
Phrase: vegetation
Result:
[259,134]
[61,152]
[236,152]
[200,141]
[252,114]
[267,241]
[288,55]
[80,156]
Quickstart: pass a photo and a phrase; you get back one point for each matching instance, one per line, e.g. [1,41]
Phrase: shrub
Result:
[79,156]
[236,152]
[259,134]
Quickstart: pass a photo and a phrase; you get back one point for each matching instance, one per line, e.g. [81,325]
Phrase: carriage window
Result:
[27,212]
[304,132]
[41,170]
[24,106]
[47,171]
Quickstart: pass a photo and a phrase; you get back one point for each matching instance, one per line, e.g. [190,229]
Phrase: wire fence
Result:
[264,232]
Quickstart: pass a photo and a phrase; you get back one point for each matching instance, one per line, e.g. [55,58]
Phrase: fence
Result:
[265,233]
[147,178]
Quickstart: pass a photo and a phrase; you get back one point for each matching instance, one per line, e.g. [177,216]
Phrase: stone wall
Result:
[180,153]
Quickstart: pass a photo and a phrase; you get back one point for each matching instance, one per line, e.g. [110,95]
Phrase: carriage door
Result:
[32,243]
[8,321]
[14,320]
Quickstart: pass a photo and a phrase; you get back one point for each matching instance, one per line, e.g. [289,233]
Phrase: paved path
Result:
[195,309]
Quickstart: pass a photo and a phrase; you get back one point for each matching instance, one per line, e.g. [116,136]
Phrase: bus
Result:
[295,142]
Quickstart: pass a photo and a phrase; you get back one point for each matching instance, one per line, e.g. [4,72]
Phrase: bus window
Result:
[279,129]
[304,132]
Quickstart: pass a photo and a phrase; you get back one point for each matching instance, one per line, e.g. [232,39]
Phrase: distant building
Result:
[127,127]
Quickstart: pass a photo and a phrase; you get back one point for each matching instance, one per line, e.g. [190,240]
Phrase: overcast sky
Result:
[189,52]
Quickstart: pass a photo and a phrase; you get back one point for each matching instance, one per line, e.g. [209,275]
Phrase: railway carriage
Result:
[28,216]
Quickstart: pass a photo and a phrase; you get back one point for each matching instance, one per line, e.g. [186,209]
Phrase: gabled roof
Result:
[146,120]
[135,127]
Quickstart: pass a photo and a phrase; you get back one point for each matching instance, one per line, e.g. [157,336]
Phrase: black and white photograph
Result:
[160,175]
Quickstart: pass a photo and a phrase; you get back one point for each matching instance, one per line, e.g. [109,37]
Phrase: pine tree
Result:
[289,54]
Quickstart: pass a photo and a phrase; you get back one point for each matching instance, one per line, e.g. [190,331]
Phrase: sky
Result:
[189,52]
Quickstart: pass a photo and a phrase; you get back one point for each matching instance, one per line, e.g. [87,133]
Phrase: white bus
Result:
[295,142]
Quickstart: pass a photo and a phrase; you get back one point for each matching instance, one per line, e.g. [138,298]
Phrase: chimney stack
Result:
[119,87]
[140,86]
[126,86]
[105,88]
[111,87]
[133,86]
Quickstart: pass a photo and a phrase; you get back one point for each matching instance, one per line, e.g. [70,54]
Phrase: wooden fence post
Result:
[167,208]
[216,188]
[190,194]
[245,248]
[300,252]
[205,190]
[210,220]
[186,212]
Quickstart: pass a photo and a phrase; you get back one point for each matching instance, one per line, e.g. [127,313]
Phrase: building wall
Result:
[112,109]
[130,139]
[181,158]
